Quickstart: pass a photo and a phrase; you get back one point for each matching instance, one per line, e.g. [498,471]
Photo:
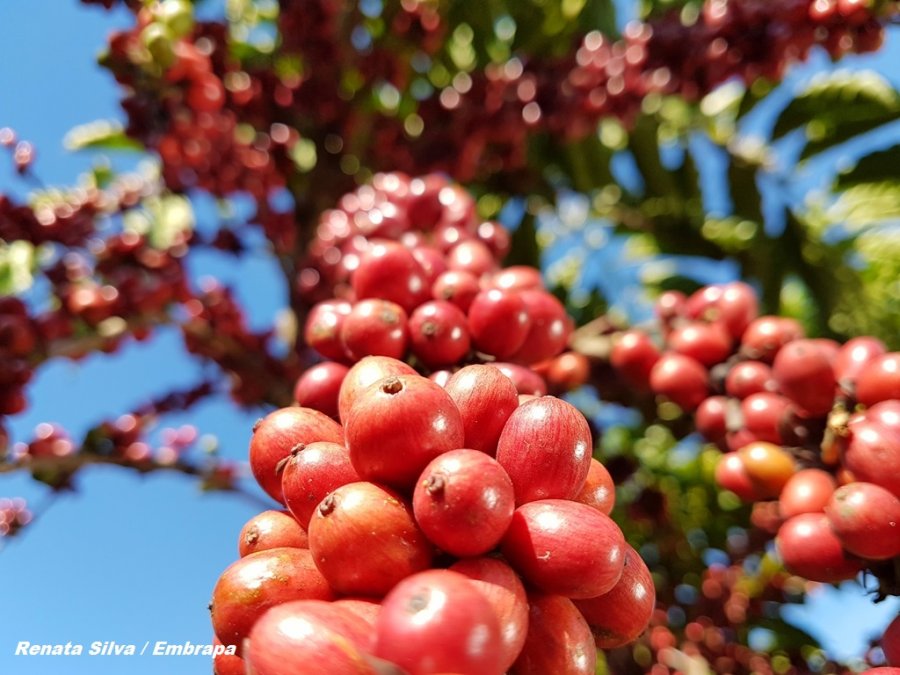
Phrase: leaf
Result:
[873,168]
[165,220]
[17,264]
[101,134]
[786,635]
[863,205]
[837,107]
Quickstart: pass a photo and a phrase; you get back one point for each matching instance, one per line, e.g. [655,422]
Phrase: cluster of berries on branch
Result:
[423,512]
[429,516]
[810,428]
[415,274]
[227,126]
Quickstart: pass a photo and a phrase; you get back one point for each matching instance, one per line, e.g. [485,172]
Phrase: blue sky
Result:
[126,558]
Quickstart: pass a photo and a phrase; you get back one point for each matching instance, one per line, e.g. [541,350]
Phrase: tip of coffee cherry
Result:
[327,505]
[434,485]
[392,385]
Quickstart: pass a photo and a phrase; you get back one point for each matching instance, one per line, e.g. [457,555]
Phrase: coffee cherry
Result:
[633,356]
[890,643]
[319,387]
[731,474]
[567,372]
[464,502]
[706,343]
[872,447]
[389,271]
[598,491]
[809,549]
[549,330]
[227,664]
[768,466]
[804,374]
[308,636]
[546,448]
[866,519]
[398,425]
[323,328]
[375,328]
[564,547]
[311,474]
[525,380]
[271,529]
[432,261]
[886,413]
[485,398]
[765,336]
[500,586]
[473,257]
[278,433]
[258,581]
[364,373]
[517,278]
[879,380]
[853,356]
[763,416]
[749,377]
[621,614]
[711,419]
[456,287]
[807,491]
[669,306]
[558,641]
[735,309]
[439,334]
[499,322]
[438,622]
[681,379]
[364,539]
[366,609]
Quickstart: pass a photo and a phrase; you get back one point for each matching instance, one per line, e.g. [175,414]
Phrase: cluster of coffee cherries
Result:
[808,422]
[130,441]
[184,102]
[196,103]
[457,528]
[18,338]
[14,515]
[417,276]
[729,599]
[745,39]
[215,327]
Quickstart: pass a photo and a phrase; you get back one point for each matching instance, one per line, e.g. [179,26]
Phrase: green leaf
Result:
[17,264]
[873,168]
[101,134]
[866,204]
[163,219]
[839,106]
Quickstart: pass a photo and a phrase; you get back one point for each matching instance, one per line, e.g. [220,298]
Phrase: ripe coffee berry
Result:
[499,322]
[464,502]
[375,327]
[439,334]
[398,425]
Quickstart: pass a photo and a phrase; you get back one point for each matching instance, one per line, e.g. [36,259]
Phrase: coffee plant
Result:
[589,360]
